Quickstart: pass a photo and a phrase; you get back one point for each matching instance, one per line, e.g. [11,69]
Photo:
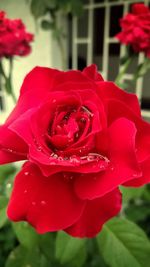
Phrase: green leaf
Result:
[3,206]
[143,68]
[122,243]
[25,234]
[6,170]
[47,25]
[146,193]
[3,217]
[138,212]
[124,59]
[79,259]
[47,245]
[77,7]
[131,193]
[22,257]
[8,86]
[3,202]
[69,249]
[38,8]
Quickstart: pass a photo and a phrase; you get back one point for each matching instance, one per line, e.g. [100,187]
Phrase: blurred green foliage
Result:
[47,14]
[124,240]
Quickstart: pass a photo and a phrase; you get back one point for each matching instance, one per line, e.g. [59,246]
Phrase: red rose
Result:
[136,29]
[82,137]
[14,40]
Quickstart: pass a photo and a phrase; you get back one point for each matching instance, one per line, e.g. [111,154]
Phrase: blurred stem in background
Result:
[7,79]
[55,9]
[125,63]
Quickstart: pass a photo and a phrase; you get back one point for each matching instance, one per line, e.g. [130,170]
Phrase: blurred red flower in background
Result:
[136,29]
[14,40]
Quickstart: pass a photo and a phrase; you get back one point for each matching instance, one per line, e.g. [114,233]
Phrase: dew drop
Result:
[95,156]
[9,150]
[43,202]
[26,173]
[33,203]
[87,111]
[53,155]
[25,191]
[52,163]
[135,175]
[60,158]
[102,167]
[68,176]
[54,101]
[65,176]
[83,120]
[76,135]
[74,159]
[39,148]
[66,158]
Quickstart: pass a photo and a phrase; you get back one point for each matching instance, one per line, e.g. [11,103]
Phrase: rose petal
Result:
[143,128]
[145,179]
[92,73]
[139,9]
[72,76]
[47,203]
[95,214]
[109,91]
[37,84]
[12,147]
[123,163]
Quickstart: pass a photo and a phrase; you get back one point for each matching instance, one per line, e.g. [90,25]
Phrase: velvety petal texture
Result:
[95,214]
[47,203]
[82,138]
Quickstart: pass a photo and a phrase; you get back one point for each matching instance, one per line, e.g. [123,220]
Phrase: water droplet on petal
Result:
[9,150]
[66,158]
[102,167]
[43,202]
[68,176]
[76,135]
[53,155]
[83,120]
[136,175]
[54,101]
[26,173]
[33,203]
[60,158]
[95,156]
[39,148]
[25,191]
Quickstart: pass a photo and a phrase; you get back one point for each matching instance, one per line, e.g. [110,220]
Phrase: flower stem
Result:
[10,80]
[124,67]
